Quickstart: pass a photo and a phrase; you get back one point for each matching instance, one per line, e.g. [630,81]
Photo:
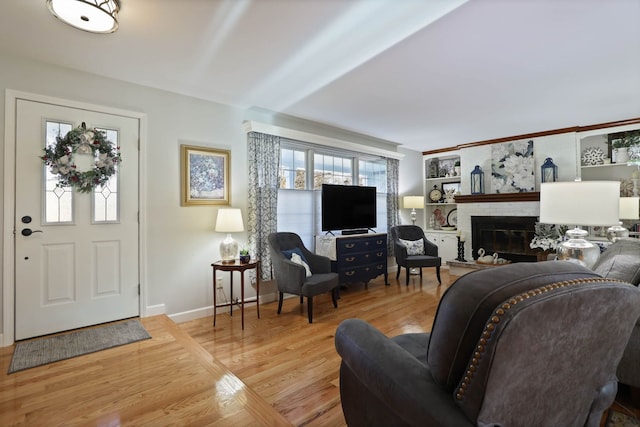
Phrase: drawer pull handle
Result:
[349,273]
[350,245]
[379,253]
[379,242]
[350,259]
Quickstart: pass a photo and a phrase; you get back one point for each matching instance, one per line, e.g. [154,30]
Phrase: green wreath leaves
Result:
[60,159]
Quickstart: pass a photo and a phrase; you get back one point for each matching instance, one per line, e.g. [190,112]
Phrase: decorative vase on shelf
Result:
[622,155]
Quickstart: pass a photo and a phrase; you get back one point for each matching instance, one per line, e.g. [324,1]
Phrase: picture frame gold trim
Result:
[211,168]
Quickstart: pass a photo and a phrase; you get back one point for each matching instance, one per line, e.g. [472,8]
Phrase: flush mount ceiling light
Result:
[94,16]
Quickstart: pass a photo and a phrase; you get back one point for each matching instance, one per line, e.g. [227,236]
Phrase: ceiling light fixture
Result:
[94,16]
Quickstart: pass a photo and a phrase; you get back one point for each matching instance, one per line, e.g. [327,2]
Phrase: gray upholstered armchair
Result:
[527,344]
[288,257]
[428,257]
[622,261]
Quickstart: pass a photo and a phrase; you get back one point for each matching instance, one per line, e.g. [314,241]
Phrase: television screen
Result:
[348,207]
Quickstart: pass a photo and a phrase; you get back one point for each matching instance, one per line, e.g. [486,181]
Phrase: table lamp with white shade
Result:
[413,203]
[229,221]
[587,203]
[629,209]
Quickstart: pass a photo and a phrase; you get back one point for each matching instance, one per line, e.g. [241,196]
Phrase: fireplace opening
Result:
[508,236]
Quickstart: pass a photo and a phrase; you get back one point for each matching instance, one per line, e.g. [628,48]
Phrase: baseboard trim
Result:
[155,310]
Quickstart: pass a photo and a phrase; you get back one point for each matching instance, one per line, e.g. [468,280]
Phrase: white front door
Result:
[79,265]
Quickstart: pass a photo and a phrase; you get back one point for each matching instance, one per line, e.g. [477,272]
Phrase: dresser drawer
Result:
[359,258]
[362,273]
[361,245]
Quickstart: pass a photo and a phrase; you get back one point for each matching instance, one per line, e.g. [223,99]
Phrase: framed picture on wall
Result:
[205,176]
[447,186]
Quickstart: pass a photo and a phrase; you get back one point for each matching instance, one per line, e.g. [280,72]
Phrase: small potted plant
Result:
[244,256]
[456,168]
[621,145]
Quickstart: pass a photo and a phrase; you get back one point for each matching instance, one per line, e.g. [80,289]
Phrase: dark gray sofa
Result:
[622,261]
[518,345]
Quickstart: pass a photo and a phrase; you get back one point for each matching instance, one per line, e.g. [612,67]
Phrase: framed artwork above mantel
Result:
[205,176]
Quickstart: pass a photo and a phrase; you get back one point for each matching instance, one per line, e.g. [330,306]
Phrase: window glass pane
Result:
[106,198]
[58,201]
[330,169]
[373,173]
[296,214]
[293,170]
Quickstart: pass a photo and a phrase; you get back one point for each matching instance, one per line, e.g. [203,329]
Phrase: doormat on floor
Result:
[41,351]
[618,419]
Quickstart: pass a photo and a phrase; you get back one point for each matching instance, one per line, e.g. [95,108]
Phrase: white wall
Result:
[411,183]
[181,241]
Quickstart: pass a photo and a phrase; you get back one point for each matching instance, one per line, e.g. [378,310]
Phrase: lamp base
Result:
[617,232]
[577,249]
[228,250]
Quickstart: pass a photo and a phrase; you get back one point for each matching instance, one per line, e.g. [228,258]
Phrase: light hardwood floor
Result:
[279,371]
[293,364]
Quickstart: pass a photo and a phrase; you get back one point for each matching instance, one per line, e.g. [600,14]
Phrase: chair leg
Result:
[420,274]
[281,297]
[408,274]
[438,274]
[334,296]
[310,308]
[301,299]
[398,273]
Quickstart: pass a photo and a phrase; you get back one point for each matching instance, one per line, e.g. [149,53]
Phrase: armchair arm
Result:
[395,377]
[289,275]
[400,252]
[319,264]
[430,248]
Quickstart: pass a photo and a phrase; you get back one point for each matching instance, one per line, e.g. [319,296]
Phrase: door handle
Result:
[28,232]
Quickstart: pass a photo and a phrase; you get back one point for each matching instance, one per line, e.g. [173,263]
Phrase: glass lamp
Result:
[592,203]
[629,209]
[229,221]
[477,180]
[413,203]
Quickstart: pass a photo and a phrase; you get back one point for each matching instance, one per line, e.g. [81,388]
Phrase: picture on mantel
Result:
[512,167]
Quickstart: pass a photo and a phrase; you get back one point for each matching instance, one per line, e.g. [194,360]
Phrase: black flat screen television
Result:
[348,207]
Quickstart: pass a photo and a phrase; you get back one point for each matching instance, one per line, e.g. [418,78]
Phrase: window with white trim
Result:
[303,170]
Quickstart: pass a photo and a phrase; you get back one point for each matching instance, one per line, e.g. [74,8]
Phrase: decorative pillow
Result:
[414,247]
[297,256]
[298,260]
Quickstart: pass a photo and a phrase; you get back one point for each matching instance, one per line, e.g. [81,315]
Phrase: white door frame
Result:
[7,334]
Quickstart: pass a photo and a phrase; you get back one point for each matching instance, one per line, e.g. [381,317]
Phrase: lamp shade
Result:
[580,202]
[413,202]
[95,16]
[229,221]
[629,207]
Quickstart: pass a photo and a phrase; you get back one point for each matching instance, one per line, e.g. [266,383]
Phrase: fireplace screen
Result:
[509,236]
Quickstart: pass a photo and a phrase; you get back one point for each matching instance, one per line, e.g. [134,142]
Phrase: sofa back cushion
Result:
[469,302]
[620,261]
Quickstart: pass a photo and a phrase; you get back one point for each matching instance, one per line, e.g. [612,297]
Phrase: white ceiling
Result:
[425,74]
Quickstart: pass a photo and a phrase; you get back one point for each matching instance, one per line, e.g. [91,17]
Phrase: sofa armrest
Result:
[394,376]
